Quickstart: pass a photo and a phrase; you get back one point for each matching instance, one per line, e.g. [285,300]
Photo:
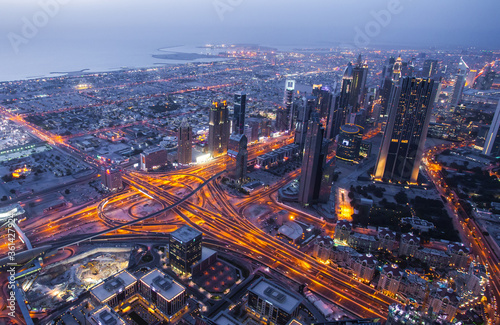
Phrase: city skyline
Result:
[242,162]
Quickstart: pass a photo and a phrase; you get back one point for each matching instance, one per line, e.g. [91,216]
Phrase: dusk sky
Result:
[276,22]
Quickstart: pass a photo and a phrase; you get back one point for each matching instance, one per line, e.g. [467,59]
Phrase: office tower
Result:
[358,85]
[185,248]
[288,101]
[240,102]
[397,69]
[238,154]
[184,143]
[492,143]
[282,124]
[403,143]
[389,90]
[218,132]
[324,97]
[153,158]
[312,163]
[349,143]
[430,69]
[387,68]
[471,77]
[308,107]
[459,83]
[340,107]
[112,179]
[334,120]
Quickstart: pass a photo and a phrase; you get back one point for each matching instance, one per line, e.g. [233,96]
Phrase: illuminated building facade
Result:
[459,83]
[185,248]
[313,163]
[349,142]
[403,143]
[324,97]
[218,133]
[184,143]
[112,179]
[104,315]
[240,103]
[308,107]
[288,101]
[492,143]
[153,158]
[115,290]
[164,292]
[358,85]
[271,304]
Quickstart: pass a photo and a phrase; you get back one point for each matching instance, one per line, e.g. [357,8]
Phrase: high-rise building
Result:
[185,248]
[333,122]
[358,85]
[459,83]
[240,103]
[312,163]
[288,101]
[471,77]
[238,154]
[184,143]
[403,143]
[349,143]
[324,98]
[218,133]
[112,179]
[308,107]
[340,109]
[430,69]
[492,143]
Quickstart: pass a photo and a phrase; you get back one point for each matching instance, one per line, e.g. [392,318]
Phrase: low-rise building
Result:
[115,290]
[342,230]
[390,279]
[364,267]
[364,242]
[272,304]
[164,292]
[103,315]
[408,244]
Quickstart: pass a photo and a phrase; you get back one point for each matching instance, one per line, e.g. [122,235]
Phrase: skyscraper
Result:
[308,107]
[403,143]
[333,122]
[358,85]
[240,102]
[218,133]
[341,108]
[184,143]
[324,97]
[312,163]
[459,83]
[492,144]
[288,101]
[430,68]
[238,154]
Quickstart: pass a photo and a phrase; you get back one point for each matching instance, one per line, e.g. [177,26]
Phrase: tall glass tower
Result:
[403,143]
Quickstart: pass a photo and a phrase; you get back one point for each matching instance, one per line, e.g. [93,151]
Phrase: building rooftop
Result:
[275,295]
[185,234]
[113,285]
[106,316]
[291,230]
[164,285]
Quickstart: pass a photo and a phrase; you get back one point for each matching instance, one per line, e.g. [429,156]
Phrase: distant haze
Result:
[85,26]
